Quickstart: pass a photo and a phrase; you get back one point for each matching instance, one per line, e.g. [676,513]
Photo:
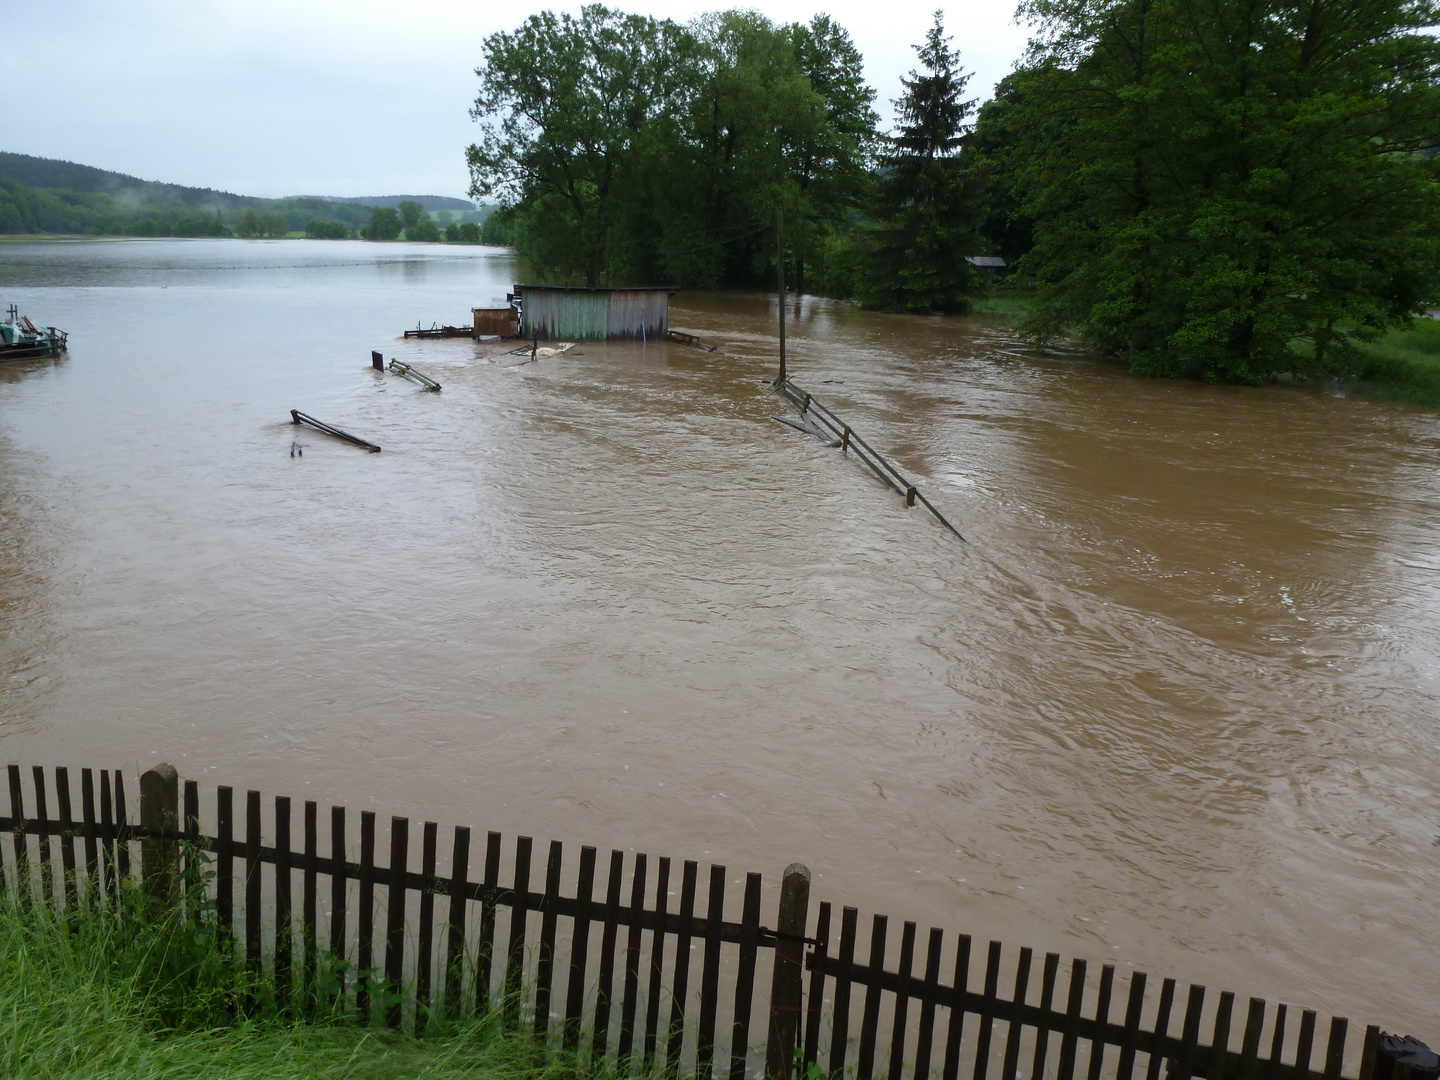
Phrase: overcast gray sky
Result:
[323,97]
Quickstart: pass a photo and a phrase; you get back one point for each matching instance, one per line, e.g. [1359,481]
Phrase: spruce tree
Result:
[926,210]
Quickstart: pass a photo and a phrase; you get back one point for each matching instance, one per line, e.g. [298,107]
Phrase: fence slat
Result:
[1220,1035]
[579,949]
[1190,1033]
[224,860]
[870,1012]
[680,980]
[192,865]
[17,834]
[339,894]
[840,1025]
[365,960]
[1335,1050]
[955,1032]
[925,1038]
[1076,996]
[455,939]
[42,815]
[252,880]
[395,920]
[1162,1025]
[284,929]
[1275,1066]
[122,834]
[606,988]
[1102,1015]
[629,1000]
[1012,1036]
[902,1001]
[519,912]
[657,963]
[67,836]
[426,945]
[1048,979]
[107,837]
[1134,1005]
[485,951]
[991,992]
[1304,1046]
[309,913]
[545,960]
[745,977]
[1250,1041]
[94,884]
[710,976]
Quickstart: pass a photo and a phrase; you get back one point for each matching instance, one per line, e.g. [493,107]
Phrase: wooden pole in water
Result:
[780,285]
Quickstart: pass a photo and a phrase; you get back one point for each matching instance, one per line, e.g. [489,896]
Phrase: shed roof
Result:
[671,289]
[984,260]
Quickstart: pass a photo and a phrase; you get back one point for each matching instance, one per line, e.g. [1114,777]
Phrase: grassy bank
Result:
[1404,365]
[97,997]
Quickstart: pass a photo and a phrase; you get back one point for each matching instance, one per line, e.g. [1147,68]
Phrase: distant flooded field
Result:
[1175,706]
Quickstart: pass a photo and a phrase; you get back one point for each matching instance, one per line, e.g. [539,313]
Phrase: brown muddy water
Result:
[1174,706]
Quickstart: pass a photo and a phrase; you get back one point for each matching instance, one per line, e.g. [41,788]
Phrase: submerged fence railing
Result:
[594,957]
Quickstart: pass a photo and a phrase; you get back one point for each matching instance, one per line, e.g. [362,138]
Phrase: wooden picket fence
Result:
[597,960]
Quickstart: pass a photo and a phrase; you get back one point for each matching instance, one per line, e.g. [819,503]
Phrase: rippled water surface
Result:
[1175,705]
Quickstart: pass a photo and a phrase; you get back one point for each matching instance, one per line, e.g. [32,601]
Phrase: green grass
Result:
[1404,365]
[1010,308]
[98,997]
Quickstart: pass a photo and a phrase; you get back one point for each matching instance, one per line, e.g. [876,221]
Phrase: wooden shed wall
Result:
[565,314]
[632,309]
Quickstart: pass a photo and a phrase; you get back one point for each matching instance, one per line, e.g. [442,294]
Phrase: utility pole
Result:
[780,284]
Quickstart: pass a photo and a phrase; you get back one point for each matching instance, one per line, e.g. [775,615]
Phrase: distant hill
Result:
[43,195]
[429,202]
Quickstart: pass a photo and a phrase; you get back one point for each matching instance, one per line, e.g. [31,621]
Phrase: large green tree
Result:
[1229,188]
[563,102]
[927,209]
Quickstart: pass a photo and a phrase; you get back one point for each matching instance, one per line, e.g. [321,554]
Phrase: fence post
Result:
[785,985]
[160,811]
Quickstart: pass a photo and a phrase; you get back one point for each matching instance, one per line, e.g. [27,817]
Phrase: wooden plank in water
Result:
[992,992]
[1162,1025]
[299,417]
[902,1001]
[1012,1036]
[1048,978]
[955,1034]
[1102,1014]
[1129,1044]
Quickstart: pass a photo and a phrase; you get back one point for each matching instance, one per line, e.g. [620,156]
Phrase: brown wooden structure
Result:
[592,955]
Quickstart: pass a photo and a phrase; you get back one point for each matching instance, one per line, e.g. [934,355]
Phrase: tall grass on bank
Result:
[1404,365]
[143,994]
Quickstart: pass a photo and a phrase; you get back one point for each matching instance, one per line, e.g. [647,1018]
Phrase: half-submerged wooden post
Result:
[377,361]
[785,984]
[780,285]
[159,813]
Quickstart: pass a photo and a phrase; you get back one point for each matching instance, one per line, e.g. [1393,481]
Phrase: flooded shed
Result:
[556,312]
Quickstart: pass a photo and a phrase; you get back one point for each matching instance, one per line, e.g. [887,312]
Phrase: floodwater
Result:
[1174,705]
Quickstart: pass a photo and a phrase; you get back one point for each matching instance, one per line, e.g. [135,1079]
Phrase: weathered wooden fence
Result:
[595,958]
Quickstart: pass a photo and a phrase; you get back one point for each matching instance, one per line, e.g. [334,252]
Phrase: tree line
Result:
[1217,188]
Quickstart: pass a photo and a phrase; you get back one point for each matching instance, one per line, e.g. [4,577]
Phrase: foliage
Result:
[321,229]
[628,146]
[1211,181]
[466,232]
[384,224]
[411,213]
[105,995]
[423,230]
[274,224]
[249,224]
[1403,365]
[926,219]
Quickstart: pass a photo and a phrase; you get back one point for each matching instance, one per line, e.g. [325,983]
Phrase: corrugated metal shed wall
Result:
[565,314]
[632,309]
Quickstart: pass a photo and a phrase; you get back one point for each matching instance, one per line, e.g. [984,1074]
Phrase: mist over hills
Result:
[51,173]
